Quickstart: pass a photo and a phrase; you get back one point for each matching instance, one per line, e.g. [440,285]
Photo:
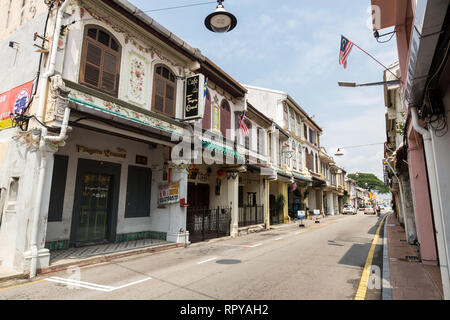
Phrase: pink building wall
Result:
[421,198]
[400,14]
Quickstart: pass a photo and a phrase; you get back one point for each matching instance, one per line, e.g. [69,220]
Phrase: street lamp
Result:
[339,153]
[353,84]
[220,21]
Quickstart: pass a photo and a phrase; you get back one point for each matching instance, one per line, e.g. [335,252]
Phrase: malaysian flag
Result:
[242,124]
[346,47]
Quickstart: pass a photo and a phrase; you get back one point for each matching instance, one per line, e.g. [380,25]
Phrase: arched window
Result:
[225,117]
[164,91]
[206,122]
[100,60]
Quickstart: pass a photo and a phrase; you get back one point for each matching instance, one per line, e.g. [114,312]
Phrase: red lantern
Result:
[221,173]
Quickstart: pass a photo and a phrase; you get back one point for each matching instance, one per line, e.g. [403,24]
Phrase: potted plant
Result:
[279,203]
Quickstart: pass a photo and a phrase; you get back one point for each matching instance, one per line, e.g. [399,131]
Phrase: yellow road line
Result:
[362,288]
[21,285]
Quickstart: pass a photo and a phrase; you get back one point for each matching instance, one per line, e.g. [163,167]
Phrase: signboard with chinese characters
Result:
[14,101]
[169,193]
[194,103]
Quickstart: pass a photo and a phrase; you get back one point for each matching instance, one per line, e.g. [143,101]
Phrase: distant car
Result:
[369,209]
[349,209]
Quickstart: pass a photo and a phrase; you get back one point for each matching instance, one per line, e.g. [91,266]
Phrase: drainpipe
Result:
[51,67]
[435,201]
[44,138]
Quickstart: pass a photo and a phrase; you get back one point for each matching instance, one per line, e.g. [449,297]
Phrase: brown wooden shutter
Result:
[206,122]
[93,64]
[225,117]
[100,65]
[109,72]
[164,91]
[170,96]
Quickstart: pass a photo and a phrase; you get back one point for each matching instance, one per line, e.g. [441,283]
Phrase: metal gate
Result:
[204,224]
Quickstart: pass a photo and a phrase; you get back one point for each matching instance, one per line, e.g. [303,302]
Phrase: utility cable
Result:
[178,7]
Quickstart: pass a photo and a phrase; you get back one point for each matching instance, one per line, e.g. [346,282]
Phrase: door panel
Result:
[94,208]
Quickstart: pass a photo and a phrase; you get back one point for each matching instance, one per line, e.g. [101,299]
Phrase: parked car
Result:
[369,209]
[349,209]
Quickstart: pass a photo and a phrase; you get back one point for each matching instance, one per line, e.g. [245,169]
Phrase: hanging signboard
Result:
[14,101]
[169,193]
[195,96]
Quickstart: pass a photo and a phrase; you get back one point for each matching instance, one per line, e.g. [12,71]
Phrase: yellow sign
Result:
[169,192]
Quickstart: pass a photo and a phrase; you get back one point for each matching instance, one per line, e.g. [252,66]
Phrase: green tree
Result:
[373,183]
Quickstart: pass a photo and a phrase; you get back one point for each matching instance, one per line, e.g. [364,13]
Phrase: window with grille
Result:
[164,91]
[100,60]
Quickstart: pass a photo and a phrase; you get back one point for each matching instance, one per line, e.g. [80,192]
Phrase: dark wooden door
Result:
[95,208]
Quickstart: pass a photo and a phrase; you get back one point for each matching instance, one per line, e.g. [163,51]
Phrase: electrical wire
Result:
[386,40]
[362,145]
[178,7]
[20,119]
[434,115]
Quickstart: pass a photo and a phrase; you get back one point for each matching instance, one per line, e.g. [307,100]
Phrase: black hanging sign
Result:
[194,97]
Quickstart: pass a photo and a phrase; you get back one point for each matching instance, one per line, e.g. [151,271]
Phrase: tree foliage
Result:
[373,183]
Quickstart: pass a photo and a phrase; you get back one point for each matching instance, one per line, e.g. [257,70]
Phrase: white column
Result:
[233,196]
[177,215]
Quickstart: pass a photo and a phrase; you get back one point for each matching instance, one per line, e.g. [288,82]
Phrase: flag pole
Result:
[376,60]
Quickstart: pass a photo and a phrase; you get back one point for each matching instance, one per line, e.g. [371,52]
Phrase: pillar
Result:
[177,216]
[266,194]
[233,198]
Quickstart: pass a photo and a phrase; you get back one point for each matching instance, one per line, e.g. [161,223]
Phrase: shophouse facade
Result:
[108,152]
[300,165]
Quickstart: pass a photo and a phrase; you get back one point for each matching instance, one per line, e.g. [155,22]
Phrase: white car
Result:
[349,209]
[369,209]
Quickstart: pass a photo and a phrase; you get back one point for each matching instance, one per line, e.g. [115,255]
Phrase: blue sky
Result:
[293,46]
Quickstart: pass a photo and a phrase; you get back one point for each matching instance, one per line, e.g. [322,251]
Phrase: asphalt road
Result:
[322,261]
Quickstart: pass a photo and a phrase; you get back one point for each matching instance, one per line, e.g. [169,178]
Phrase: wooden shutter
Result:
[58,188]
[206,121]
[164,91]
[93,64]
[138,192]
[225,117]
[100,65]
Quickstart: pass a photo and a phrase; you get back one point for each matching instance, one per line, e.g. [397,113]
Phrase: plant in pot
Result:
[278,204]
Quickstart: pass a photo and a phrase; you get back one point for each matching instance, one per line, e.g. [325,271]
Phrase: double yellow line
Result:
[363,283]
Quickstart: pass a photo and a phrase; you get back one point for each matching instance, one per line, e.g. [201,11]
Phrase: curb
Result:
[386,287]
[107,258]
[19,276]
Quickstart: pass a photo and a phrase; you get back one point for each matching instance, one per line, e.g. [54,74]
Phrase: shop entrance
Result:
[204,222]
[95,208]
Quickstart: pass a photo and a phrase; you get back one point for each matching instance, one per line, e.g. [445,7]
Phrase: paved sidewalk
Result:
[410,279]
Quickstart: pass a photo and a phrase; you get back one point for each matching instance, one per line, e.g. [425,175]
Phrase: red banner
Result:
[14,101]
